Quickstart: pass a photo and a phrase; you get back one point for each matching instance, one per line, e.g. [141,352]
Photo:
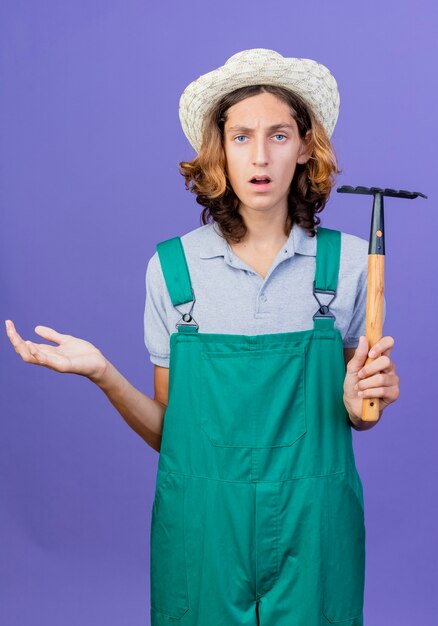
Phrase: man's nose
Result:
[260,151]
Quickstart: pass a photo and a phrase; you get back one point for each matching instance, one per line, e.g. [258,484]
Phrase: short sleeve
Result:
[156,328]
[357,325]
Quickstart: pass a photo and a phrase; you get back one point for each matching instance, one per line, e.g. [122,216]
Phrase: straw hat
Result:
[309,79]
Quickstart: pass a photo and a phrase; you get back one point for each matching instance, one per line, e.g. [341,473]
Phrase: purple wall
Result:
[89,145]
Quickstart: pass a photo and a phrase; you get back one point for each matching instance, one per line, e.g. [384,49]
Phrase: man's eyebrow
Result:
[246,129]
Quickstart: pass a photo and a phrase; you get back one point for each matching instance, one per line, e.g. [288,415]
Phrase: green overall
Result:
[258,515]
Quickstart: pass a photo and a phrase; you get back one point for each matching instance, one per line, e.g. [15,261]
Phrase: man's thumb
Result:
[360,356]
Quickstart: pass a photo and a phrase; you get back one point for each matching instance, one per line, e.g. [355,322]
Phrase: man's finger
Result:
[50,334]
[380,364]
[383,346]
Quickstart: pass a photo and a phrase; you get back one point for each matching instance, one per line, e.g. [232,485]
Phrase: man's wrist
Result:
[101,375]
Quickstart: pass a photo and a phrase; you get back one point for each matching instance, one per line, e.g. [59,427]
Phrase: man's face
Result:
[261,138]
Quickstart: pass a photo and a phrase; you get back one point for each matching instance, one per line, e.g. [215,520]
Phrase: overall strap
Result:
[177,278]
[328,255]
[175,270]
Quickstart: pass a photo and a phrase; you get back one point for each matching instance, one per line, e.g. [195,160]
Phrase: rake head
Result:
[377,232]
[371,191]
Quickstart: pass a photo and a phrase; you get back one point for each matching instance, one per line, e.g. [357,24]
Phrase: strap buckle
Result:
[324,310]
[186,318]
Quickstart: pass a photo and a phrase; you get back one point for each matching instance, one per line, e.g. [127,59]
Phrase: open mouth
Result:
[260,180]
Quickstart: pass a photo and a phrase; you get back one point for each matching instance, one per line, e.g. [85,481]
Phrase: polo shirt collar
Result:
[298,242]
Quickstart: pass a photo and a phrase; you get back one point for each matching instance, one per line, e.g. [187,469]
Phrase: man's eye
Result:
[240,136]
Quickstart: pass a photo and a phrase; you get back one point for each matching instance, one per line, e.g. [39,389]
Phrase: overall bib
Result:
[258,515]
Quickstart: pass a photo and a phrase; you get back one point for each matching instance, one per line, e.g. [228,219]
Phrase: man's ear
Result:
[306,148]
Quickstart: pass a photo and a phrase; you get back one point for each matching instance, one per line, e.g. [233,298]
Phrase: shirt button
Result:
[263,298]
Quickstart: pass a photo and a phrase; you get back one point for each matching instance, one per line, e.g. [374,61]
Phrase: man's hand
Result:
[376,380]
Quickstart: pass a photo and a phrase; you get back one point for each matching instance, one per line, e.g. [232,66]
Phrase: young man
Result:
[258,516]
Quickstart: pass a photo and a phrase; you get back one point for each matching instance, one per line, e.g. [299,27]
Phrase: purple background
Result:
[89,147]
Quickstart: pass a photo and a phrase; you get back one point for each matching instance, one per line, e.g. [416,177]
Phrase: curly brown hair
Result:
[311,185]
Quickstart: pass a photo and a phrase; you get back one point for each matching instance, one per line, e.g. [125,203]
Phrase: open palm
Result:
[72,355]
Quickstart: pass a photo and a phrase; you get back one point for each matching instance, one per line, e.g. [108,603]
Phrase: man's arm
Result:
[143,414]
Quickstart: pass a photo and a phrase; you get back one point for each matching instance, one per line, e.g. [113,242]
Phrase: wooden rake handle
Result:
[374,322]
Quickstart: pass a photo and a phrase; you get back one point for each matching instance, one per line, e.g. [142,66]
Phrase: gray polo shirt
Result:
[231,297]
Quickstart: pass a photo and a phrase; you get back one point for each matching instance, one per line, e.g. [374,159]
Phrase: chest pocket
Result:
[253,398]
